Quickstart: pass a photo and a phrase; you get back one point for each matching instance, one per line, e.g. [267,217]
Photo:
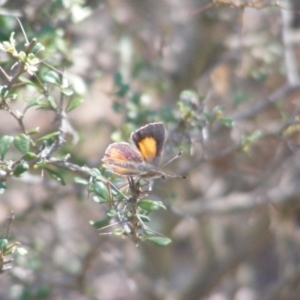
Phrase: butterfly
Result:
[141,159]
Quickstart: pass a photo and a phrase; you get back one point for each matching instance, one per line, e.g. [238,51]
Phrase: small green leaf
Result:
[4,91]
[44,106]
[20,169]
[34,131]
[100,224]
[99,200]
[118,79]
[136,98]
[80,180]
[144,218]
[67,91]
[52,102]
[251,138]
[21,251]
[2,188]
[22,143]
[35,101]
[189,97]
[52,77]
[37,48]
[22,56]
[111,213]
[55,175]
[75,102]
[10,250]
[119,231]
[227,122]
[3,245]
[29,156]
[124,88]
[25,80]
[117,107]
[151,205]
[5,143]
[96,172]
[101,190]
[48,136]
[159,240]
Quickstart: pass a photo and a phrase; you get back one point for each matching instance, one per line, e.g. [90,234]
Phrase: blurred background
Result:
[223,76]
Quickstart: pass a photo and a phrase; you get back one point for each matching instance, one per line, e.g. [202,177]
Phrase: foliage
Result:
[230,104]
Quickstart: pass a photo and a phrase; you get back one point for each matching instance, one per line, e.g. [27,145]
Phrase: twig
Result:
[241,202]
[278,95]
[289,54]
[9,221]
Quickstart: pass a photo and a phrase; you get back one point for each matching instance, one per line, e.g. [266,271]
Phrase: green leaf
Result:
[101,190]
[10,250]
[99,200]
[4,91]
[189,97]
[3,245]
[20,169]
[111,213]
[52,77]
[55,175]
[117,107]
[67,91]
[21,251]
[136,98]
[5,143]
[29,156]
[37,48]
[144,218]
[44,106]
[75,102]
[100,224]
[80,180]
[2,187]
[119,231]
[118,79]
[151,205]
[34,131]
[96,172]
[22,56]
[22,143]
[227,122]
[26,80]
[52,102]
[159,240]
[253,137]
[124,88]
[35,101]
[48,136]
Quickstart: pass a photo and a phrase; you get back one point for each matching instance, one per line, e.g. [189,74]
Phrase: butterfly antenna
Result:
[172,159]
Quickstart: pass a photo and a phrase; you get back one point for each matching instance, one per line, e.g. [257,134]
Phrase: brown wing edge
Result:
[155,130]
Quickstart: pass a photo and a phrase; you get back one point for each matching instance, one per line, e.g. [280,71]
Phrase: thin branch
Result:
[241,202]
[262,105]
[289,53]
[6,76]
[9,221]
